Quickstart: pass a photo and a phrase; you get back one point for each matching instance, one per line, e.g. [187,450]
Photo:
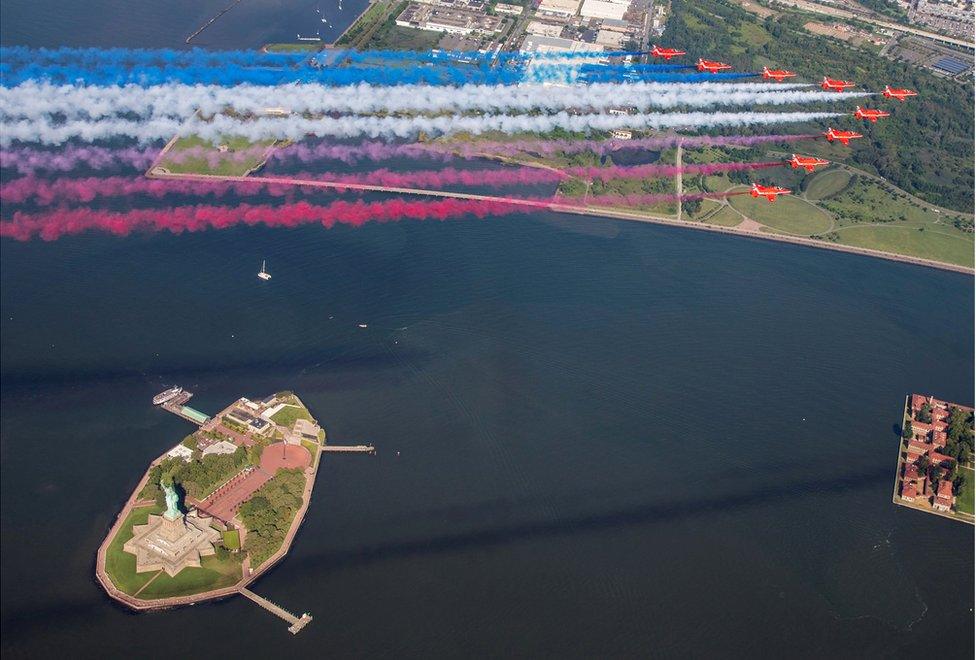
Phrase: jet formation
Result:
[828,84]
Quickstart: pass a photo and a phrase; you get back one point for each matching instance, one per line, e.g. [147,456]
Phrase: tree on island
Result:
[924,414]
[960,426]
[907,431]
[957,484]
[922,463]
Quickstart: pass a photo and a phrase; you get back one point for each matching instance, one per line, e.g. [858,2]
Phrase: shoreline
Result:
[247,576]
[617,214]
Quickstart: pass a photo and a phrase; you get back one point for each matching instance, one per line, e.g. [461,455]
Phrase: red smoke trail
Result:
[62,222]
[44,192]
[53,225]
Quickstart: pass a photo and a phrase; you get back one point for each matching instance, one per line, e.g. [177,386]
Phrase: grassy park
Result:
[215,571]
[311,47]
[787,214]
[227,163]
[964,501]
[120,565]
[827,184]
[291,413]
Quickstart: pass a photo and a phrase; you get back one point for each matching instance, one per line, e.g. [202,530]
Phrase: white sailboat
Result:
[264,274]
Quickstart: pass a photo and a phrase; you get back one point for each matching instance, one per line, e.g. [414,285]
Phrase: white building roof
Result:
[610,38]
[603,9]
[565,7]
[181,451]
[544,29]
[539,44]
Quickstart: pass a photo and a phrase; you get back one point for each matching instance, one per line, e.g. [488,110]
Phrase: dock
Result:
[349,449]
[177,406]
[297,623]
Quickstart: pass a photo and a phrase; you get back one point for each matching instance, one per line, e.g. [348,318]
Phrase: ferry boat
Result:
[264,274]
[169,394]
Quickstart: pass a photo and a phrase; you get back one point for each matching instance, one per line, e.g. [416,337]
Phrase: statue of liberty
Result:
[172,502]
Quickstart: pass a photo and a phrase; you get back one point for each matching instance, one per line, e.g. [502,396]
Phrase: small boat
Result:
[264,274]
[363,325]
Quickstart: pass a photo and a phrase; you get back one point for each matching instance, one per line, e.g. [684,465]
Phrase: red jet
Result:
[809,163]
[666,53]
[844,137]
[769,192]
[871,115]
[900,94]
[712,67]
[836,85]
[777,74]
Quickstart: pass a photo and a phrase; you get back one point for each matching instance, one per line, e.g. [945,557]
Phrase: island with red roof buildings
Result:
[935,458]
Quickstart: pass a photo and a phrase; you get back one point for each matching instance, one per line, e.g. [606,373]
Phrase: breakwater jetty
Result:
[212,20]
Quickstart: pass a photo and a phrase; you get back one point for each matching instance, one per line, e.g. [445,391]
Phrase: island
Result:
[219,509]
[935,454]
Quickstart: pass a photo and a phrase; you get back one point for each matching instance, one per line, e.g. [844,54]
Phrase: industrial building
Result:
[563,8]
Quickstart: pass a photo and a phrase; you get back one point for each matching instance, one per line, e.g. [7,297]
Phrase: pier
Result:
[297,623]
[348,449]
[177,406]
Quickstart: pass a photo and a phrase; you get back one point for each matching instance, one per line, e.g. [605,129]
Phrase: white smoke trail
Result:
[51,131]
[33,101]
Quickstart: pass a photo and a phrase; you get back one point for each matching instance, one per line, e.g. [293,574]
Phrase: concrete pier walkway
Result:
[297,623]
[348,449]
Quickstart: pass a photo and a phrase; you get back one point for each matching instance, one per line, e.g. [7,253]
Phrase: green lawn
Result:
[288,415]
[293,48]
[717,183]
[227,166]
[213,573]
[827,184]
[725,217]
[964,501]
[705,208]
[120,565]
[232,539]
[788,214]
[940,244]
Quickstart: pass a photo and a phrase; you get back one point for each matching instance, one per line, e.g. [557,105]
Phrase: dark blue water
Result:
[614,439]
[166,24]
[597,438]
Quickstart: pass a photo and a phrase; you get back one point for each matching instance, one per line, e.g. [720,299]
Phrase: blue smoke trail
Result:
[92,57]
[231,74]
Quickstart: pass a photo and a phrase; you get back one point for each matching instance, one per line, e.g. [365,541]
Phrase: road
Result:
[843,13]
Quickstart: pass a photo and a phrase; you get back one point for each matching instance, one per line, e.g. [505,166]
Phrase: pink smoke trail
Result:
[29,161]
[378,151]
[63,222]
[43,192]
